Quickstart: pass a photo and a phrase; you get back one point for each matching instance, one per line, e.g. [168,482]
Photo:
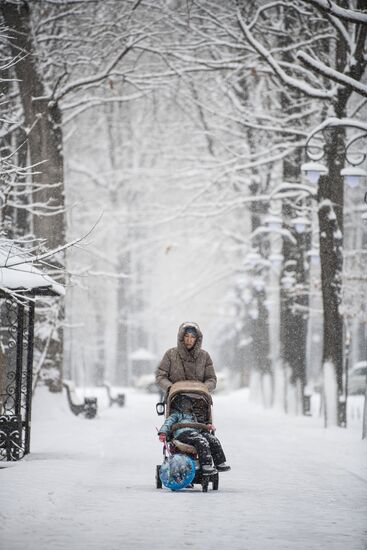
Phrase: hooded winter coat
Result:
[182,364]
[177,417]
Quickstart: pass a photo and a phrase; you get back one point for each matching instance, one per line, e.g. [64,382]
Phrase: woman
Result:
[187,361]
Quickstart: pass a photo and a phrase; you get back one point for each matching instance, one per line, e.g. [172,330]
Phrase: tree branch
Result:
[290,81]
[332,74]
[327,6]
[97,77]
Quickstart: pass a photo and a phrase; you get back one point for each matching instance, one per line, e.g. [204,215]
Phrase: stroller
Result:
[202,406]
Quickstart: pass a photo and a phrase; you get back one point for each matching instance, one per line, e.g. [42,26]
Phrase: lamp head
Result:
[273,222]
[301,224]
[353,175]
[276,260]
[313,171]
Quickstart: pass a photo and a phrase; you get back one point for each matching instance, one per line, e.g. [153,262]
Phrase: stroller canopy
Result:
[196,390]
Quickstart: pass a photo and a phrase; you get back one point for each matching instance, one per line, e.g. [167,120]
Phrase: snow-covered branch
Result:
[338,122]
[95,78]
[332,74]
[327,6]
[289,80]
[49,253]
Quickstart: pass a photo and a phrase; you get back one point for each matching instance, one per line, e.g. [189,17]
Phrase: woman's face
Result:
[189,340]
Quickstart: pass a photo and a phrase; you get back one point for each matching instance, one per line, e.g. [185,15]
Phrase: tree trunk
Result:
[42,119]
[2,379]
[364,420]
[21,215]
[330,199]
[331,223]
[259,326]
[293,313]
[293,316]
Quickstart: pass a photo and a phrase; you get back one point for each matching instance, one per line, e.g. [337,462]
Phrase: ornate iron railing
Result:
[16,339]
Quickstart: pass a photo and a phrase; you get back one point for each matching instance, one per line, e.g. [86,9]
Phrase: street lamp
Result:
[314,256]
[276,260]
[313,171]
[253,258]
[301,224]
[258,283]
[288,281]
[273,222]
[343,163]
[352,173]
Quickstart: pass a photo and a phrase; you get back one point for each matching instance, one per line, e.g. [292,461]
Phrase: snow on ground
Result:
[89,484]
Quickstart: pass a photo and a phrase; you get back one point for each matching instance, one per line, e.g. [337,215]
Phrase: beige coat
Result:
[182,364]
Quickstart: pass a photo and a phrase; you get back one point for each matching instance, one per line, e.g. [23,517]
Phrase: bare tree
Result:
[64,52]
[332,78]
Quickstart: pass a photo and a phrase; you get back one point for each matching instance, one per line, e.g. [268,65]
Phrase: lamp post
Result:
[342,163]
[352,173]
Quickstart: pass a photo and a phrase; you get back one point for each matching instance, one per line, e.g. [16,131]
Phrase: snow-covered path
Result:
[89,484]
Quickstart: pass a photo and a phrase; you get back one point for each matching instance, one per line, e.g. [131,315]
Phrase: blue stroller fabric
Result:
[177,471]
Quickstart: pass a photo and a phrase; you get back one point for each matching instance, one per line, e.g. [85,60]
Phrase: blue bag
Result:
[177,471]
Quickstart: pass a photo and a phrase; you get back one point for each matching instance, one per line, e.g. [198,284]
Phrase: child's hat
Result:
[191,330]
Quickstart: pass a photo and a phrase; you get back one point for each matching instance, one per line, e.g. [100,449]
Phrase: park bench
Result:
[119,399]
[88,408]
[307,404]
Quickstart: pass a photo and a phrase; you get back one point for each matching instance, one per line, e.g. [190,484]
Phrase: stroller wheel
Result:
[215,482]
[158,482]
[205,484]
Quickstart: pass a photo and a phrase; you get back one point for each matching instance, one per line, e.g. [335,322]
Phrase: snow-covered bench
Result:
[119,399]
[88,408]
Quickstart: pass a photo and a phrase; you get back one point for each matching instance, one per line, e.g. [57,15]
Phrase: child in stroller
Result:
[188,427]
